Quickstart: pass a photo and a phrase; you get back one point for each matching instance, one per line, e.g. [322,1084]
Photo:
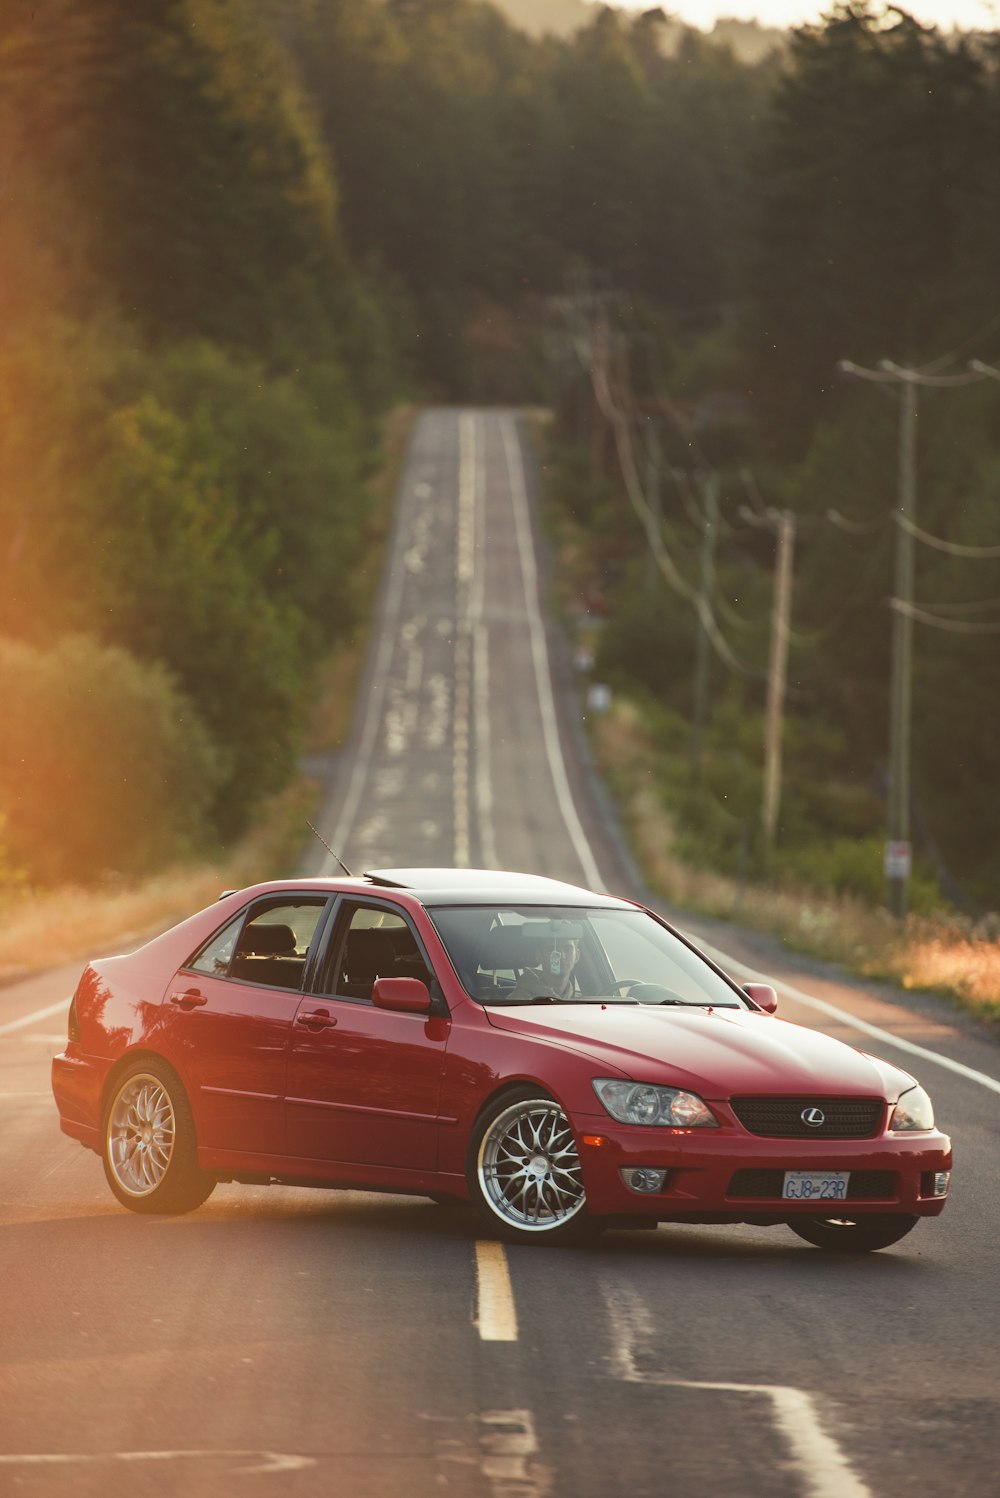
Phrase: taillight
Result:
[74,1022]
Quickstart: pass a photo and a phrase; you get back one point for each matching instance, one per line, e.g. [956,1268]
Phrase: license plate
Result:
[815,1185]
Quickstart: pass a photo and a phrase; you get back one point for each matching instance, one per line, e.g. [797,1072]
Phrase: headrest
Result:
[521,945]
[374,938]
[264,940]
[508,947]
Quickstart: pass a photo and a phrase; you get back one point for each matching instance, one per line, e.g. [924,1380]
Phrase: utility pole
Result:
[898,852]
[777,672]
[782,522]
[654,475]
[709,537]
[898,858]
[601,353]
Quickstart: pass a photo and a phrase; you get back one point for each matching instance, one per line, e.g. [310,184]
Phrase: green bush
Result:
[104,764]
[187,506]
[849,866]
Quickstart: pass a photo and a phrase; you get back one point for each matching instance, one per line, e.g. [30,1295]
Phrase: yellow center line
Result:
[496,1316]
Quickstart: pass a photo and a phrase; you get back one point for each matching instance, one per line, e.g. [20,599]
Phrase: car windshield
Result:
[510,954]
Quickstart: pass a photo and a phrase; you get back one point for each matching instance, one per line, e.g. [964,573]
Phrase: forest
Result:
[233,233]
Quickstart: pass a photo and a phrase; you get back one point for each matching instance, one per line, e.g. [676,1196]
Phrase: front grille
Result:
[766,1185]
[781,1117]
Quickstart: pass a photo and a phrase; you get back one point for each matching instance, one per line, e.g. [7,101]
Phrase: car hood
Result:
[717,1053]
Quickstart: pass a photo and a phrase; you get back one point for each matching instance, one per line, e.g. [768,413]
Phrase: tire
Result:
[854,1235]
[524,1171]
[148,1142]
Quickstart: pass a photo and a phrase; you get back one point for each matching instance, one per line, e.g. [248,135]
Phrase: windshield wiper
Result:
[574,998]
[686,1004]
[502,1001]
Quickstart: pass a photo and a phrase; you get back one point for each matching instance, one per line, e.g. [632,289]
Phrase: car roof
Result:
[478,886]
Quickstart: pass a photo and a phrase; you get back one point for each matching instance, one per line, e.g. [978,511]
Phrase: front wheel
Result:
[150,1152]
[524,1171]
[854,1235]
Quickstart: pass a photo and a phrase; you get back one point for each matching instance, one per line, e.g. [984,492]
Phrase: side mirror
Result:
[763,996]
[408,995]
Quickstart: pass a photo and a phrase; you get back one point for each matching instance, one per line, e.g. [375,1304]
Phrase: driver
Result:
[552,976]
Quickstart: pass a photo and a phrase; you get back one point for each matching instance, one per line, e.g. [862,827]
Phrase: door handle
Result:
[319,1019]
[191,998]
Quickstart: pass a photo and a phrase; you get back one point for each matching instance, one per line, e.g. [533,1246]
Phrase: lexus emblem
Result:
[814,1117]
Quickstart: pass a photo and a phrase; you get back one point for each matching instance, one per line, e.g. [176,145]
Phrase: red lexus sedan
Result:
[562,1059]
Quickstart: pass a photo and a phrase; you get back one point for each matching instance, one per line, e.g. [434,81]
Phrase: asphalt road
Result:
[300,1342]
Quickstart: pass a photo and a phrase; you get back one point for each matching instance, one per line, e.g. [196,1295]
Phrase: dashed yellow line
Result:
[496,1314]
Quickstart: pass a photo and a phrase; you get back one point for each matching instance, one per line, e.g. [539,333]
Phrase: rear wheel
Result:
[524,1171]
[854,1235]
[150,1151]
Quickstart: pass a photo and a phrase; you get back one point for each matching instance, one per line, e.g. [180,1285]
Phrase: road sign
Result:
[898,860]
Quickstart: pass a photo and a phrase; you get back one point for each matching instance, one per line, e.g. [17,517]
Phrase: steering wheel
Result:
[648,993]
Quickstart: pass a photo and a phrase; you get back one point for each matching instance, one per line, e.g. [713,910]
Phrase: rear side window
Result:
[267,945]
[217,955]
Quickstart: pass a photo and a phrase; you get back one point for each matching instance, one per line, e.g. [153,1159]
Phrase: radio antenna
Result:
[326,845]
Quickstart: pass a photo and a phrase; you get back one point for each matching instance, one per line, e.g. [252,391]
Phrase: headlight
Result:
[638,1103]
[913,1111]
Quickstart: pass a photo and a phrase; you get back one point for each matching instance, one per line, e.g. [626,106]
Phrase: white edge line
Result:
[842,1017]
[484,782]
[481,682]
[268,1461]
[540,658]
[373,707]
[824,1468]
[61,1007]
[496,1315]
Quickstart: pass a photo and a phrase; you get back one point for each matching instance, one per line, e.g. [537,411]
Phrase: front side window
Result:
[373,942]
[548,954]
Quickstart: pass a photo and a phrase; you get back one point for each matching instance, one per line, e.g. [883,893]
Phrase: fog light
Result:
[642,1178]
[940,1183]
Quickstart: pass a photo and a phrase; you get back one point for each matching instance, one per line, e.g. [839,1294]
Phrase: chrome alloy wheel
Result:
[141,1132]
[528,1168]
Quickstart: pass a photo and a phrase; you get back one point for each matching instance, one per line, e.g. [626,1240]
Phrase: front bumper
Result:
[893,1171]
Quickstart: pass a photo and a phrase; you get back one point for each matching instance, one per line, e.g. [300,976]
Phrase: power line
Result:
[826,631]
[960,348]
[890,373]
[618,421]
[950,626]
[856,527]
[953,548]
[732,617]
[980,606]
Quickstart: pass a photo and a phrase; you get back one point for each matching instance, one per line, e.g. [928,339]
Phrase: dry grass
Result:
[933,953]
[66,924]
[947,960]
[45,929]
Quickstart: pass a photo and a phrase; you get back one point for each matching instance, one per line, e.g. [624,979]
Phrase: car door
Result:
[227,1021]
[364,1083]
